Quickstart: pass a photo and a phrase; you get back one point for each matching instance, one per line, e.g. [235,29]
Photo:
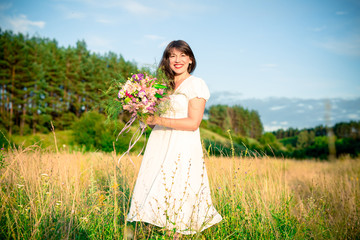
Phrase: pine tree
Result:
[13,76]
[37,75]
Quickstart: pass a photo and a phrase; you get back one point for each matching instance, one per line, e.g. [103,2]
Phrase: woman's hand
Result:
[190,123]
[152,120]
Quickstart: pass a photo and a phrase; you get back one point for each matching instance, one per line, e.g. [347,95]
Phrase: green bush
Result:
[93,133]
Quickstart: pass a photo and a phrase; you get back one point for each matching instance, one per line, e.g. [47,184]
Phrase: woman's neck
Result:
[178,79]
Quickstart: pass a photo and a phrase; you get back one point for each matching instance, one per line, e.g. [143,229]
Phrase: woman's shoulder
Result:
[196,80]
[196,87]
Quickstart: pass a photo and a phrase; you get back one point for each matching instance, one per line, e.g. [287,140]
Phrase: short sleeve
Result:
[198,88]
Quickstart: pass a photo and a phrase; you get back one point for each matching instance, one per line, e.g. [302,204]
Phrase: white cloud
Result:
[22,24]
[284,123]
[277,108]
[310,107]
[269,128]
[99,44]
[353,116]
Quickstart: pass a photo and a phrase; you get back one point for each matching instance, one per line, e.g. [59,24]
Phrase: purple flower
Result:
[142,93]
[2,149]
[137,77]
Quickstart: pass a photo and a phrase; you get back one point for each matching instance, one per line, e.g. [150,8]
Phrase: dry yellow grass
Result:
[73,195]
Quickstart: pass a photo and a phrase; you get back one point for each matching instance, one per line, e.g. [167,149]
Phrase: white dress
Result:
[172,189]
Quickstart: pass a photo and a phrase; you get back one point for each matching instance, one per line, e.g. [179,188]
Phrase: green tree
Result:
[256,128]
[268,138]
[305,139]
[218,115]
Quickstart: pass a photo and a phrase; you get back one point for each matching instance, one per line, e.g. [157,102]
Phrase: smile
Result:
[178,65]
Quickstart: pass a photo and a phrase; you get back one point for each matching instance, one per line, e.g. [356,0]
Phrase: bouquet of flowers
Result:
[141,95]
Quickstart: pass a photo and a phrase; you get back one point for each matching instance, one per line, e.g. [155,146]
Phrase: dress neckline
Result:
[182,83]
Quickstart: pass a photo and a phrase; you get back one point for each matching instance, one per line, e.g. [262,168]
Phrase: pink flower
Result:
[144,101]
[121,93]
[128,95]
[142,94]
[161,91]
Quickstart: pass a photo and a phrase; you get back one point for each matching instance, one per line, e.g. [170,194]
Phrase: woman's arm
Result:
[191,123]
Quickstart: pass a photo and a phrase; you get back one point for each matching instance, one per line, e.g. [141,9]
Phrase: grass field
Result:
[63,195]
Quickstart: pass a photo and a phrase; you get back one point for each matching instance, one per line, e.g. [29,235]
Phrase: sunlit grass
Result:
[46,195]
[46,141]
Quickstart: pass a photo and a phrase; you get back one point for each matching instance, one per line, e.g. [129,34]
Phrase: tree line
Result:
[42,82]
[343,139]
[341,130]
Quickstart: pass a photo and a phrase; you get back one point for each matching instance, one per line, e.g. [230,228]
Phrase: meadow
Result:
[64,194]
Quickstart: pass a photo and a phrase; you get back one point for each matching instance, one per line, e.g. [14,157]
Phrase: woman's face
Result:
[179,62]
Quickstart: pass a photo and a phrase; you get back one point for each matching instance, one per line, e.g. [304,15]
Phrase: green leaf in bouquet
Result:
[127,100]
[158,95]
[158,86]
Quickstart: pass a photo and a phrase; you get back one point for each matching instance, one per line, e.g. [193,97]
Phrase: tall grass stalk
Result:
[46,195]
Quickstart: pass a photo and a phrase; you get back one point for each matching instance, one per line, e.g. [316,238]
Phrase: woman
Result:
[172,188]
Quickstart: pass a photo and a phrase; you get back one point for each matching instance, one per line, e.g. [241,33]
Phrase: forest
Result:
[44,85]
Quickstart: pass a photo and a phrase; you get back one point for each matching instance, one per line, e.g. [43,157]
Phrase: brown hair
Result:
[164,65]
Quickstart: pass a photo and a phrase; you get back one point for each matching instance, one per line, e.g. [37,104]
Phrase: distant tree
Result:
[320,130]
[268,138]
[305,139]
[347,130]
[236,118]
[218,115]
[256,128]
[288,133]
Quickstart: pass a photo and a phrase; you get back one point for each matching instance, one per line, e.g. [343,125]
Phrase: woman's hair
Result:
[164,65]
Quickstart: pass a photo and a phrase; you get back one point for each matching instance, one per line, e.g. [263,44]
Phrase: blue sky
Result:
[298,49]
